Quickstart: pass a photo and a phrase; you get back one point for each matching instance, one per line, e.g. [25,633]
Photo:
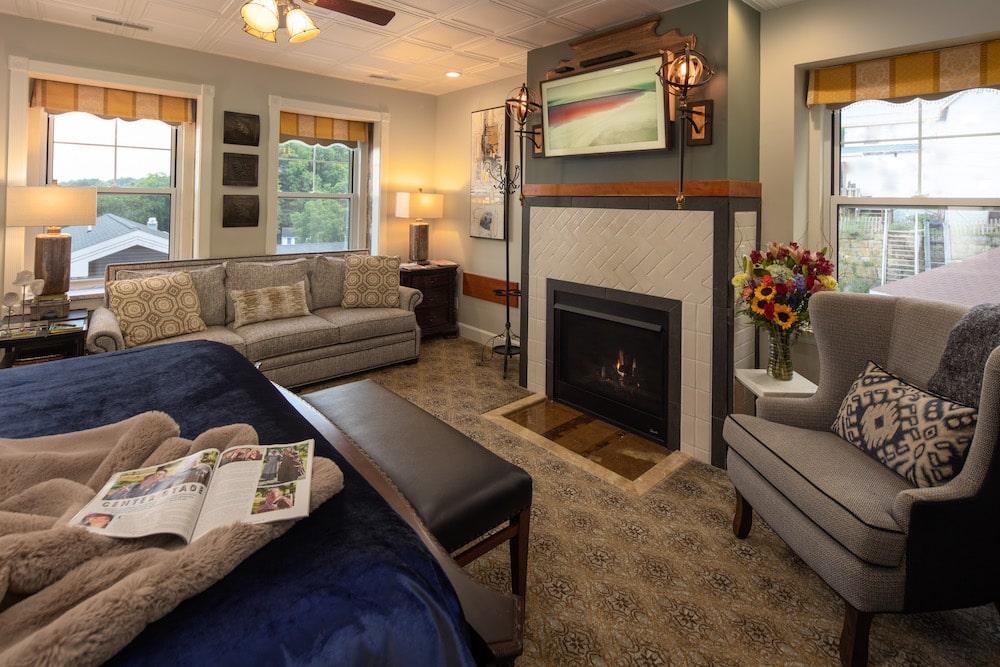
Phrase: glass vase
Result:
[779,358]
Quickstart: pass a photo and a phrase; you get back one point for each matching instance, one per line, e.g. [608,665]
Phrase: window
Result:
[916,185]
[132,164]
[318,207]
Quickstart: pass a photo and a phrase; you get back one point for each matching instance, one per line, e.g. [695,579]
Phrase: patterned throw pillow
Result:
[244,275]
[155,307]
[269,303]
[371,282]
[921,436]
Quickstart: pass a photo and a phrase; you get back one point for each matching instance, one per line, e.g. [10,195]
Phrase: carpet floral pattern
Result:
[618,579]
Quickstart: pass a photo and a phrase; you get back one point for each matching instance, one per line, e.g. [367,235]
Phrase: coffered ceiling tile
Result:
[446,35]
[404,51]
[492,18]
[494,48]
[605,14]
[544,33]
[436,7]
[357,37]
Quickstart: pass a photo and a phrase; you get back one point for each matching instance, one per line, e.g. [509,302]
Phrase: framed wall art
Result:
[240,210]
[239,169]
[241,129]
[612,110]
[489,167]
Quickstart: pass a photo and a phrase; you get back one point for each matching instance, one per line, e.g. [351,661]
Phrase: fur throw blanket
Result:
[960,373]
[72,597]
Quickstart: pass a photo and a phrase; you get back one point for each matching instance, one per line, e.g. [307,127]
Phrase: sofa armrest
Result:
[104,334]
[409,298]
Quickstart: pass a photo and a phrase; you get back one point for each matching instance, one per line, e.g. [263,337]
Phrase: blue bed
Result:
[352,584]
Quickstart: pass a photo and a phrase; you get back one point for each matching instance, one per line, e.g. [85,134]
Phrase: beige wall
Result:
[238,86]
[820,32]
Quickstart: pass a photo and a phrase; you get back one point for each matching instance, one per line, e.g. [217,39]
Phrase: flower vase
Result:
[779,358]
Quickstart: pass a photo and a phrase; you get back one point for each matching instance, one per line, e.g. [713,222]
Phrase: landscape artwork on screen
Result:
[616,109]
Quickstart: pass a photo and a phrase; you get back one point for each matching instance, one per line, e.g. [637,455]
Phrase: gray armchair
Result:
[879,541]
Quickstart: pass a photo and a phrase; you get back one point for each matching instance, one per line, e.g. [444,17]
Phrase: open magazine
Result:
[192,495]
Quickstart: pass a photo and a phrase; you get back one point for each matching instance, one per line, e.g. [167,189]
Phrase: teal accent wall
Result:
[728,34]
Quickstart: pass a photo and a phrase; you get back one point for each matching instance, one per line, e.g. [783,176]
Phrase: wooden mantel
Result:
[652,189]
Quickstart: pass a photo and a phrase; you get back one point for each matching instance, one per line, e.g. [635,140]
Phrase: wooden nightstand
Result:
[436,314]
[42,341]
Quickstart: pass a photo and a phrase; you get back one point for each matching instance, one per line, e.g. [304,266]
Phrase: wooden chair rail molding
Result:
[481,287]
[634,41]
[653,189]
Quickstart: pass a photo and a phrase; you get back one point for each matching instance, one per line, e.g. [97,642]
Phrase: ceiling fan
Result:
[264,17]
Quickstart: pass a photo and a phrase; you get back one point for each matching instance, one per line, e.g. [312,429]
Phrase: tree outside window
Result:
[315,195]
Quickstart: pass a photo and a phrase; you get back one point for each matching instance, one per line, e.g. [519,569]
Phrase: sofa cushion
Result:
[921,436]
[371,282]
[255,275]
[294,334]
[328,282]
[848,494]
[155,307]
[362,323]
[269,303]
[209,282]
[216,334]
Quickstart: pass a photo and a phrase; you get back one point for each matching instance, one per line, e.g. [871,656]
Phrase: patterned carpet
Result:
[659,579]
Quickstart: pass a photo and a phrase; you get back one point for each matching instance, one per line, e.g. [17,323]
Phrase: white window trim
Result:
[379,139]
[194,211]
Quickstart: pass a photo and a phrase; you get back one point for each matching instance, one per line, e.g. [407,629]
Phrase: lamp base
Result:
[419,242]
[52,261]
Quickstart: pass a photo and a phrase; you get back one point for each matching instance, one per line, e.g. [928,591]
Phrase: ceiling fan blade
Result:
[358,10]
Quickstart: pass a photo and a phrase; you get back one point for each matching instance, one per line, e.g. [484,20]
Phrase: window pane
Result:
[78,164]
[143,168]
[144,134]
[306,169]
[304,222]
[79,126]
[128,228]
[877,246]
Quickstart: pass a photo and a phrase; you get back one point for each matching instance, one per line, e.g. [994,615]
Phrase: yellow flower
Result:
[784,316]
[764,292]
[828,282]
[739,279]
[756,306]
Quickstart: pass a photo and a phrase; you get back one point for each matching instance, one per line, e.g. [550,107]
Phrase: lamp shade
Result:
[50,205]
[688,70]
[419,205]
[299,26]
[261,15]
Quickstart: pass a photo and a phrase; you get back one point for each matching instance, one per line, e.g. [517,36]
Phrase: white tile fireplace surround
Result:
[664,253]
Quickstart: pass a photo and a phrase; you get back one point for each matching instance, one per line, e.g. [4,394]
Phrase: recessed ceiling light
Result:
[453,75]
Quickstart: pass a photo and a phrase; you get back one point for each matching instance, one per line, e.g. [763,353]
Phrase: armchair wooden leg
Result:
[743,518]
[854,637]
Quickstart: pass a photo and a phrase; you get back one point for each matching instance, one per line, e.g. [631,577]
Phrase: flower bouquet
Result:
[773,290]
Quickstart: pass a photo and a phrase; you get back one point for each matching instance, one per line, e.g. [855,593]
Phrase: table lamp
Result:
[53,207]
[419,205]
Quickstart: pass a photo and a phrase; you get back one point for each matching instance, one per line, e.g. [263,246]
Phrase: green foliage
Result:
[315,220]
[138,207]
[314,169]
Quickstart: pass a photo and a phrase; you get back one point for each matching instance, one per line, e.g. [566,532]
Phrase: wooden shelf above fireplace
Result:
[652,189]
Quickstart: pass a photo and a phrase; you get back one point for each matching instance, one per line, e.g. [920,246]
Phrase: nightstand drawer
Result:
[436,297]
[430,280]
[428,318]
[436,313]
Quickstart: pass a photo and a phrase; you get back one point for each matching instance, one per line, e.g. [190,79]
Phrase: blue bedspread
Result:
[350,585]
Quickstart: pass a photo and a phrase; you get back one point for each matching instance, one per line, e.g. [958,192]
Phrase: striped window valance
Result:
[322,130]
[912,75]
[61,97]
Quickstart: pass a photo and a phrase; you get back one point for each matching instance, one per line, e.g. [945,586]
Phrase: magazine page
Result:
[165,498]
[258,484]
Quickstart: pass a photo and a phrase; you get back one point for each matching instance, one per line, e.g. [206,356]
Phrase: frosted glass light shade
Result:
[299,26]
[261,15]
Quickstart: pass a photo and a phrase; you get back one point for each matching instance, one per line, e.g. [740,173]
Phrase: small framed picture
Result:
[700,123]
[239,169]
[242,129]
[240,210]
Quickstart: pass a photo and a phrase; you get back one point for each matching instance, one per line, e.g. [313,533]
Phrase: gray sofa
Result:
[883,542]
[328,342]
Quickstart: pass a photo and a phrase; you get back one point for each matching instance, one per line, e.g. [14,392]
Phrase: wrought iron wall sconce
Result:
[680,76]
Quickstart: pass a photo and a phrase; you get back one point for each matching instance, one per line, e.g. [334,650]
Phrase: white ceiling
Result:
[485,40]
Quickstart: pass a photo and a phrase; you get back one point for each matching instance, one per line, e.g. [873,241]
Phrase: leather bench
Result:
[461,490]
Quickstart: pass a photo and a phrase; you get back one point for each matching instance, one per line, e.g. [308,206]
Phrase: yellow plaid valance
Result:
[322,130]
[60,97]
[912,75]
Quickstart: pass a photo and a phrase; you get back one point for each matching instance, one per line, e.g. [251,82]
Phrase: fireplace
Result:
[616,355]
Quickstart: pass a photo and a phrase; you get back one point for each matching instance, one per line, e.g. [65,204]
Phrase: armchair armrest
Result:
[409,298]
[104,334]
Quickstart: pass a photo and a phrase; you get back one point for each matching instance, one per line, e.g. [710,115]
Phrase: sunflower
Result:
[784,316]
[764,292]
[757,306]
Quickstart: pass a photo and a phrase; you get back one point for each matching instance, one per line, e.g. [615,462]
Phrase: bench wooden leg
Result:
[854,637]
[519,558]
[743,518]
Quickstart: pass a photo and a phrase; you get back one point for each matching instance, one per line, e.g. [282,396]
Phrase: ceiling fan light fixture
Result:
[299,26]
[261,15]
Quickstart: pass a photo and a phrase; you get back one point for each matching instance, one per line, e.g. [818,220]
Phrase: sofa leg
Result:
[854,637]
[743,518]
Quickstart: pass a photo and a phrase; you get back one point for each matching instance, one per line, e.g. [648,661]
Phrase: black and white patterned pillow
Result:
[921,436]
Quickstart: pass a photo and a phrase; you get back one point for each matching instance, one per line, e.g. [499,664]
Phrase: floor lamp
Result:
[521,104]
